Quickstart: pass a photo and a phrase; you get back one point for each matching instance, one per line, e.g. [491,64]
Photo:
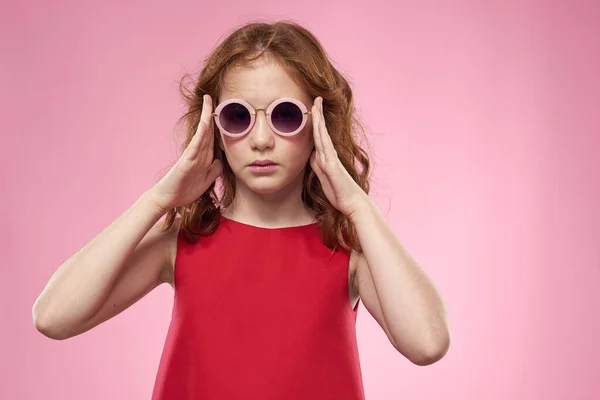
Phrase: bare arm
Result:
[128,258]
[111,272]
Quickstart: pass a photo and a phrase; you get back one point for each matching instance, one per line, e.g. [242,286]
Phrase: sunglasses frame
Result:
[253,111]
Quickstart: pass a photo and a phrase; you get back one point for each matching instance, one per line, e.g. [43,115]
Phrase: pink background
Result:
[481,116]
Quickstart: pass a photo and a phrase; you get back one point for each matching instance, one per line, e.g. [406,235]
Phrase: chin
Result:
[268,184]
[265,185]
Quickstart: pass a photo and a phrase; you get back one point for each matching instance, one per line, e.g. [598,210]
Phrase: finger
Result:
[214,170]
[316,169]
[206,109]
[321,124]
[325,138]
[205,142]
[315,124]
[210,123]
[317,137]
[314,164]
[193,147]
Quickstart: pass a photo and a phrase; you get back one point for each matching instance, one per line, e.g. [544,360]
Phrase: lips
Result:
[263,162]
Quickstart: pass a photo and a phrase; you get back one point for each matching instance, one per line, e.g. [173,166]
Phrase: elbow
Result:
[433,353]
[428,358]
[49,332]
[47,328]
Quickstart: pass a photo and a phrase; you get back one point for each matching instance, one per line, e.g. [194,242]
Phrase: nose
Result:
[261,136]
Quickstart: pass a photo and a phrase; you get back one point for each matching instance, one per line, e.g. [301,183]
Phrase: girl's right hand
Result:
[195,170]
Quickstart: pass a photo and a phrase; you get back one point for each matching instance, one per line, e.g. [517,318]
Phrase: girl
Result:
[267,274]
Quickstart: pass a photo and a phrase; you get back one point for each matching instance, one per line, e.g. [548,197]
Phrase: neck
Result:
[281,208]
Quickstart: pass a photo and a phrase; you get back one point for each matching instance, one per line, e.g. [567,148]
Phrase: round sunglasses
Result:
[285,116]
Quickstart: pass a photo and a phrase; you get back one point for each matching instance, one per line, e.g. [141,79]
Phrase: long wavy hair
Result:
[305,60]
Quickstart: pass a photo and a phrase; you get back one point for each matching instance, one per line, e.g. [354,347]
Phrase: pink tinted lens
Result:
[286,117]
[235,118]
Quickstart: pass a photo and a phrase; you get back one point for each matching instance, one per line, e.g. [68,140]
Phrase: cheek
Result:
[309,138]
[299,150]
[233,151]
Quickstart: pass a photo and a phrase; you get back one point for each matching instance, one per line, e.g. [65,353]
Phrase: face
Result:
[259,84]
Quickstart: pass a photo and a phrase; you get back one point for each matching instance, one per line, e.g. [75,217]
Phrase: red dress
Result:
[260,313]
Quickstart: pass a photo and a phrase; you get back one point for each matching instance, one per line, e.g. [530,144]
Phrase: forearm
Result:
[412,307]
[80,285]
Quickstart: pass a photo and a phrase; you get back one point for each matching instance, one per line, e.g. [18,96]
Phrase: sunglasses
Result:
[285,116]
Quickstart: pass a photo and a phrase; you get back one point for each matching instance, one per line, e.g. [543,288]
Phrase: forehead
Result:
[260,83]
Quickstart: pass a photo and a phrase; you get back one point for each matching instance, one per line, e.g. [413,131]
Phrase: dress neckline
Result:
[270,229]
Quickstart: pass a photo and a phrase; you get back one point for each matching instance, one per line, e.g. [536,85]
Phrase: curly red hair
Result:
[304,59]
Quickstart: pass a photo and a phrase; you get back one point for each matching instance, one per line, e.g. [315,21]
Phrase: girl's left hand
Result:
[339,187]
